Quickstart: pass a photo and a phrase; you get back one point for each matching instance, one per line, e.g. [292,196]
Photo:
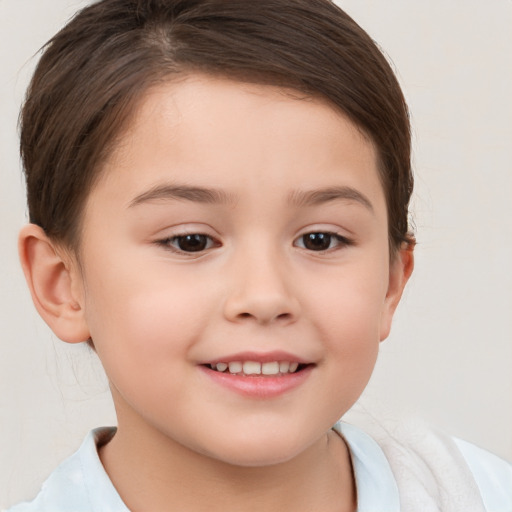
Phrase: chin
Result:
[260,452]
[258,460]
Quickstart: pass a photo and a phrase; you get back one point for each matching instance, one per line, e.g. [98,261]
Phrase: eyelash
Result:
[210,242]
[341,241]
[167,243]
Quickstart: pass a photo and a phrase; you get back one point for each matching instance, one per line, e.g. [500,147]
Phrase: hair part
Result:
[93,74]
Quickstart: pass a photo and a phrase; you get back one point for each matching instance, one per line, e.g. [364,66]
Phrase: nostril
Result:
[261,309]
[280,316]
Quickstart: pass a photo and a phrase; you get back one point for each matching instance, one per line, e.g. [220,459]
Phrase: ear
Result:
[55,284]
[400,270]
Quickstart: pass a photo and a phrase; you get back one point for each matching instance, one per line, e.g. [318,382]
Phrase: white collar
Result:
[376,487]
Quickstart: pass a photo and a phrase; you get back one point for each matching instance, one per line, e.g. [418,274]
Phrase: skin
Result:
[156,313]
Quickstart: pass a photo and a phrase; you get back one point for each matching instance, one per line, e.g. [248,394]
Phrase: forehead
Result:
[207,129]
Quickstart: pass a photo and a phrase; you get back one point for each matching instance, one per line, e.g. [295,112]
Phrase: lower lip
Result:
[259,386]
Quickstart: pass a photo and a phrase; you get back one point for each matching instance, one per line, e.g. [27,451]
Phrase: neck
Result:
[151,471]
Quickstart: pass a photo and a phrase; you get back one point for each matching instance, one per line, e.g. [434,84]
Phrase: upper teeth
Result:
[255,368]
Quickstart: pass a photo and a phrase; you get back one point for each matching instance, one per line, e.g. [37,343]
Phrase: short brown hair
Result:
[93,72]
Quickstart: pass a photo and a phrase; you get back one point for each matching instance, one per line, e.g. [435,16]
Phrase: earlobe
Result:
[53,284]
[399,273]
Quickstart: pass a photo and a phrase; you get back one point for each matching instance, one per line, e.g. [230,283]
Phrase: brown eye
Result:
[321,241]
[317,241]
[191,243]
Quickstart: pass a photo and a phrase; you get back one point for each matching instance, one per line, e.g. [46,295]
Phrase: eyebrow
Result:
[297,198]
[188,193]
[301,198]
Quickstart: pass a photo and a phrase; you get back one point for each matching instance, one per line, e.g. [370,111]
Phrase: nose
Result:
[261,291]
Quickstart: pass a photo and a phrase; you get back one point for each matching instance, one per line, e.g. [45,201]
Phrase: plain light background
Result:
[449,358]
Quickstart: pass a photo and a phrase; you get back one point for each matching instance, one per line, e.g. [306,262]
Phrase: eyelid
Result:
[166,243]
[342,239]
[177,232]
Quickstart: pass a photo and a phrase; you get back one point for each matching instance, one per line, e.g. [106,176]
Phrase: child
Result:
[218,196]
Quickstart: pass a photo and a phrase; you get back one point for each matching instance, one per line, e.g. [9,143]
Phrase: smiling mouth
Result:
[254,368]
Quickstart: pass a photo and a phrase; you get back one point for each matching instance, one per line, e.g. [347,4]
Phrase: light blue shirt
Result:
[80,483]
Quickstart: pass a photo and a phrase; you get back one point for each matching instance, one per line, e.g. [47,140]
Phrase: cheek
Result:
[143,330]
[144,315]
[348,316]
[348,305]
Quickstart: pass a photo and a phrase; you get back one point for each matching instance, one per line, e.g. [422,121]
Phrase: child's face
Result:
[246,172]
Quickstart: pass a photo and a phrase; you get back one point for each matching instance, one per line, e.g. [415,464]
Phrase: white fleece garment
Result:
[433,472]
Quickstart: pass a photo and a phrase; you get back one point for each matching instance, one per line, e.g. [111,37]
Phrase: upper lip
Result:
[260,357]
